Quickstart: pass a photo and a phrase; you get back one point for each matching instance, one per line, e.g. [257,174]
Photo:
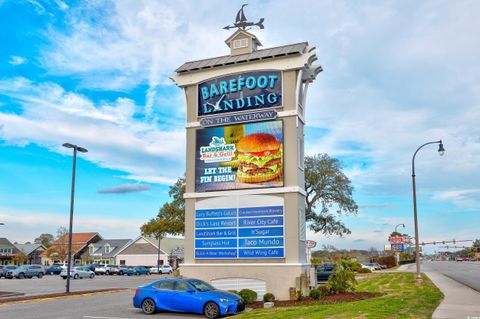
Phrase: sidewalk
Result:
[460,301]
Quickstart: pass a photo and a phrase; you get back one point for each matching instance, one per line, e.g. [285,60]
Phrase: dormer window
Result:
[90,249]
[240,43]
[107,249]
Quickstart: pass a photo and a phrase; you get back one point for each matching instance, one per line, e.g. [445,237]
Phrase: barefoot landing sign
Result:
[245,192]
[240,92]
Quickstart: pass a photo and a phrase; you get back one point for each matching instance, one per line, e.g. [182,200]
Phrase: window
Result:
[165,285]
[240,43]
[90,249]
[181,286]
[107,248]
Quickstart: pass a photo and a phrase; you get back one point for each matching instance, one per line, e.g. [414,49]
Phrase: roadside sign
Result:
[310,244]
[396,239]
[398,247]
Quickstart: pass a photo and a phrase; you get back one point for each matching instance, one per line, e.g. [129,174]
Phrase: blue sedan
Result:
[138,271]
[187,295]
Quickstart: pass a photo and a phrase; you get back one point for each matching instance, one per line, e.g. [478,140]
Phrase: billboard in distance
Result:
[239,156]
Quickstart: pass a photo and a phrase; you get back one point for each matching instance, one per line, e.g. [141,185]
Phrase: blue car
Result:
[137,271]
[54,270]
[187,295]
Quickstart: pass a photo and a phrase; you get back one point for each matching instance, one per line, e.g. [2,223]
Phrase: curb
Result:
[9,300]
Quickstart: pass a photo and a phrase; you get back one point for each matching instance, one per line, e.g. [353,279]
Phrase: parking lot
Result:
[111,305]
[56,284]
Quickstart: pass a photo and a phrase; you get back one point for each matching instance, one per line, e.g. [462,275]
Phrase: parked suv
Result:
[162,269]
[25,271]
[107,270]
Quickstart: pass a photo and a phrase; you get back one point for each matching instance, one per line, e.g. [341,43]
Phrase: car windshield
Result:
[200,285]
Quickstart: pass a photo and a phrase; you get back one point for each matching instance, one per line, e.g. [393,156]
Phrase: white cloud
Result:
[34,223]
[17,60]
[114,138]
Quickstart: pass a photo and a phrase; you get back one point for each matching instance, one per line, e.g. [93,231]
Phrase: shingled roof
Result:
[265,54]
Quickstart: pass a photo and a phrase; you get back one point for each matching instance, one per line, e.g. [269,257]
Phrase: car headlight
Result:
[224,300]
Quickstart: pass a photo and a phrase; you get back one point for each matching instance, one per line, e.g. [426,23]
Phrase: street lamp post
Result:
[69,258]
[399,225]
[441,151]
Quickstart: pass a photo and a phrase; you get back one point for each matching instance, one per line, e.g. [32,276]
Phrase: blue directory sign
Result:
[398,247]
[251,232]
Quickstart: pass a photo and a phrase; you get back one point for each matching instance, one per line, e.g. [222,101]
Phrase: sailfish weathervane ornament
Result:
[242,23]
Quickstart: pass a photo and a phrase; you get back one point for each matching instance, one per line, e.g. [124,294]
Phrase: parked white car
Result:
[78,272]
[164,269]
[368,266]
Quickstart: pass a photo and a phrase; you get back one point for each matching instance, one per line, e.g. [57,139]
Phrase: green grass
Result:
[402,298]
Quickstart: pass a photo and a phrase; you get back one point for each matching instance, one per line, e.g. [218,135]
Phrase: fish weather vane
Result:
[242,23]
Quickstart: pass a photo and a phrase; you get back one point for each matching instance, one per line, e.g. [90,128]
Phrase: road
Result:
[466,273]
[101,306]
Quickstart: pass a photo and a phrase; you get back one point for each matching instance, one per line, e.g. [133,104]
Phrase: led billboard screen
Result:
[239,156]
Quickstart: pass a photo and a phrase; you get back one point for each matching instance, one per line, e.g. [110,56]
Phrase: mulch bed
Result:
[307,301]
[21,297]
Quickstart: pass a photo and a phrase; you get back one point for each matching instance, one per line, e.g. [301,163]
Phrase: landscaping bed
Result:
[307,301]
[388,295]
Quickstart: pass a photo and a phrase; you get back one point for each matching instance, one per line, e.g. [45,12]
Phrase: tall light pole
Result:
[69,258]
[441,151]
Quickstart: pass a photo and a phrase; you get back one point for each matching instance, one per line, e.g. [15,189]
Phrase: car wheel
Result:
[138,274]
[64,277]
[40,275]
[170,272]
[211,310]
[75,276]
[120,273]
[21,276]
[107,273]
[148,306]
[91,276]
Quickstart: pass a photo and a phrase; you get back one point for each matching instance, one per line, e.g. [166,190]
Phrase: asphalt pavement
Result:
[99,306]
[56,284]
[467,273]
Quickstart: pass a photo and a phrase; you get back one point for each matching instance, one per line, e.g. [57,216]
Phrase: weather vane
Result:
[242,23]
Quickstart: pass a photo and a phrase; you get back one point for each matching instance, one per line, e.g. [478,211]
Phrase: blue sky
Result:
[396,74]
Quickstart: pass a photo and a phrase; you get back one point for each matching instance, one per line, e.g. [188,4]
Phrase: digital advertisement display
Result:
[251,232]
[239,156]
[240,92]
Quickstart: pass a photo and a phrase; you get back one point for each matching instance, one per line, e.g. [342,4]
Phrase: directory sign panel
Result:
[239,156]
[398,247]
[239,233]
[240,92]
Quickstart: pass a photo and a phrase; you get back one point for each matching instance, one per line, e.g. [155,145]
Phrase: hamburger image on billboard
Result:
[239,156]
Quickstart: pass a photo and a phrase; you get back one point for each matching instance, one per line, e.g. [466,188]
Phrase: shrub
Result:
[233,292]
[341,281]
[324,290]
[314,294]
[388,261]
[299,295]
[268,297]
[248,295]
[350,264]
[364,271]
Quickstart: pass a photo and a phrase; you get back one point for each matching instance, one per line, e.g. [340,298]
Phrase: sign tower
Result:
[245,188]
